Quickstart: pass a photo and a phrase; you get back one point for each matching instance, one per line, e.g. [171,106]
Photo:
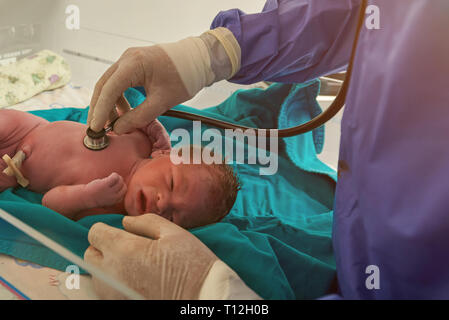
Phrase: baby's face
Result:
[180,193]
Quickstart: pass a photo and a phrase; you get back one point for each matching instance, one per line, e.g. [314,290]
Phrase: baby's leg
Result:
[71,200]
[158,137]
[14,126]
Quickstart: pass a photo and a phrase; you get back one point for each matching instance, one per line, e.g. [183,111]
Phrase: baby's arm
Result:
[159,138]
[71,200]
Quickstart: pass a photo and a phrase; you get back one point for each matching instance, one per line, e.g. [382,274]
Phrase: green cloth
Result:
[277,237]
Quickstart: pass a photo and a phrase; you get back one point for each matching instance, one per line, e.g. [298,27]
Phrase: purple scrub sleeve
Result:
[292,41]
[392,200]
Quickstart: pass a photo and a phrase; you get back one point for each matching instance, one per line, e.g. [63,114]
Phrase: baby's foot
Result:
[107,191]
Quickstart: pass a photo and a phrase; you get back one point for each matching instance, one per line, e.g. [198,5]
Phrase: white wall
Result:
[24,11]
[108,27]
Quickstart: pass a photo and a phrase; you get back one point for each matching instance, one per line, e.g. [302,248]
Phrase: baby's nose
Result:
[163,202]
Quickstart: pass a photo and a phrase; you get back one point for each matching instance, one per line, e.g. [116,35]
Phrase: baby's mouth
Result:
[141,202]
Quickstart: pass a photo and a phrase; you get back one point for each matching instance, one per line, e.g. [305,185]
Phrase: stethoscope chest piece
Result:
[96,140]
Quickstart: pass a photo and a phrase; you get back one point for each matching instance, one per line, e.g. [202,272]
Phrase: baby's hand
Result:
[159,138]
[107,191]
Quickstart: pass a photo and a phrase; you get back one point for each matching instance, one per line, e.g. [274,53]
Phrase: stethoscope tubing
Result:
[316,122]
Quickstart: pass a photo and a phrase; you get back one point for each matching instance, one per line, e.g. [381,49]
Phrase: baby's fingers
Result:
[122,192]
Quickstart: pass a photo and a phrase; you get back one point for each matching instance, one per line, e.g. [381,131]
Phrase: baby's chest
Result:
[51,163]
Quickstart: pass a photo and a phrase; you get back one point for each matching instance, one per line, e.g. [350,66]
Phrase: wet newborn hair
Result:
[228,186]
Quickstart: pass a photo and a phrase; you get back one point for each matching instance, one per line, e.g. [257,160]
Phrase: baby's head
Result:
[190,195]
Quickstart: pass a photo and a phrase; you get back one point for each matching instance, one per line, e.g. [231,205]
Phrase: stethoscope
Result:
[99,140]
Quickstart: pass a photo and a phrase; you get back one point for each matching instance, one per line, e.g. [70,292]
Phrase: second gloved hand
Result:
[155,257]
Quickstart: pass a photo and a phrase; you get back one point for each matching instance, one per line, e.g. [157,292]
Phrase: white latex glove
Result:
[170,73]
[155,257]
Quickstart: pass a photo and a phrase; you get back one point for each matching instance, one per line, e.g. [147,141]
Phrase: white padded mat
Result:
[24,280]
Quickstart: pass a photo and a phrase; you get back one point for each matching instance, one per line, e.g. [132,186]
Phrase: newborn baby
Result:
[78,182]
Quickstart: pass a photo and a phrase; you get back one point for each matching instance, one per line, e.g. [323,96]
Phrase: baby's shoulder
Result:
[16,125]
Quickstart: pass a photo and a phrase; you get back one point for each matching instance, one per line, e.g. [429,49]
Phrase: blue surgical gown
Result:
[392,199]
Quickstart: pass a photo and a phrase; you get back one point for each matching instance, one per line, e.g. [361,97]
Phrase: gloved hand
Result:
[170,73]
[155,257]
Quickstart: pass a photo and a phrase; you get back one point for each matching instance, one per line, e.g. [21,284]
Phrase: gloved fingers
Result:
[99,85]
[112,90]
[105,292]
[106,238]
[150,225]
[123,105]
[93,256]
[138,117]
[113,115]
